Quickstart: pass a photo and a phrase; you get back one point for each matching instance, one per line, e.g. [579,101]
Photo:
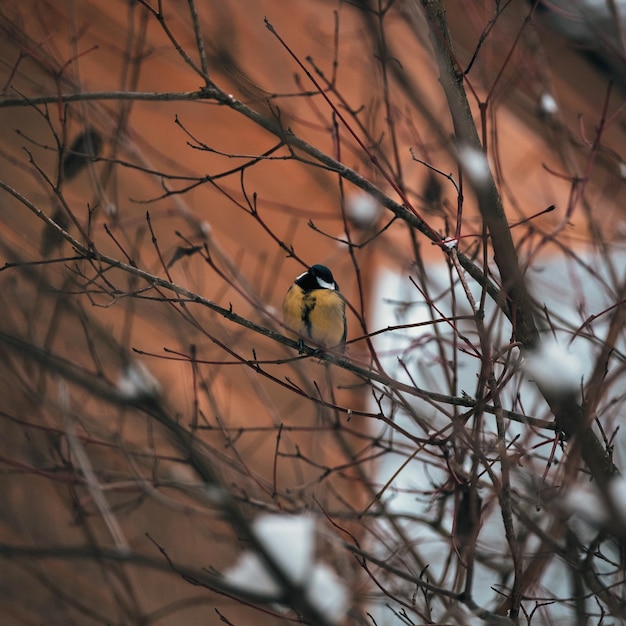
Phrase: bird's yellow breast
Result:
[319,314]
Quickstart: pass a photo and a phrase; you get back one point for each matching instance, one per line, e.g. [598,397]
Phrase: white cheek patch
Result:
[324,285]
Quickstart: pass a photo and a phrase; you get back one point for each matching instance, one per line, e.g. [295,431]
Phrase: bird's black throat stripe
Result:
[308,304]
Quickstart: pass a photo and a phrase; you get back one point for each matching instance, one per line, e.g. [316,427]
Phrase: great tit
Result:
[314,308]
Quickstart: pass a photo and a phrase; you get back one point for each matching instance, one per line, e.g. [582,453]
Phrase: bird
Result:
[314,308]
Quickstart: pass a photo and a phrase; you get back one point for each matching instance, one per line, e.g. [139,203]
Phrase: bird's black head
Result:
[317,277]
